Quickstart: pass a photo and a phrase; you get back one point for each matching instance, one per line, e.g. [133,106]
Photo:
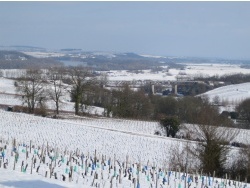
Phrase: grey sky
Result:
[203,29]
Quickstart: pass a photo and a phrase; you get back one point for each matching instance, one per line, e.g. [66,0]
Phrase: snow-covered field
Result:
[205,69]
[85,137]
[7,86]
[69,136]
[229,96]
[10,178]
[144,75]
[112,138]
[191,70]
[44,54]
[233,94]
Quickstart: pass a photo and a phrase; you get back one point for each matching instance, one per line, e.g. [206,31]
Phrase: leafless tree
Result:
[80,79]
[216,100]
[103,79]
[181,157]
[55,77]
[32,89]
[239,165]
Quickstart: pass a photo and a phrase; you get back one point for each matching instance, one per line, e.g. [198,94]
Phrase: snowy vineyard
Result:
[86,170]
[134,137]
[145,127]
[92,152]
[69,135]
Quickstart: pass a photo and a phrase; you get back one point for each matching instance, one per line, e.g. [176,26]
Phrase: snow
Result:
[7,86]
[11,178]
[153,56]
[191,70]
[108,137]
[214,69]
[44,54]
[85,135]
[67,135]
[144,75]
[232,95]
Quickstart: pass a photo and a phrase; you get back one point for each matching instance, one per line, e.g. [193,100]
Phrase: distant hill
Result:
[103,60]
[19,60]
[22,48]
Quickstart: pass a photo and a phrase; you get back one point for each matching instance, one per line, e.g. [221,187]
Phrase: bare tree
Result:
[80,78]
[56,76]
[103,79]
[31,87]
[239,165]
[216,100]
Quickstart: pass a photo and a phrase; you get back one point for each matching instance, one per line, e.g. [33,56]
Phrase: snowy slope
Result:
[65,134]
[233,94]
[68,136]
[10,178]
[86,137]
[206,69]
[7,86]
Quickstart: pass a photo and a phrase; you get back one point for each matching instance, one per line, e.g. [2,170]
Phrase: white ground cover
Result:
[106,136]
[205,69]
[86,137]
[231,95]
[44,54]
[144,75]
[7,86]
[10,179]
[234,94]
[65,134]
[191,70]
[12,73]
[146,127]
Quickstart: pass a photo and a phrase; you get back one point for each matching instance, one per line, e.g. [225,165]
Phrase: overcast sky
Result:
[200,29]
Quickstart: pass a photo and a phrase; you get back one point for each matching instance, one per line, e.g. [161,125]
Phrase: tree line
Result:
[87,88]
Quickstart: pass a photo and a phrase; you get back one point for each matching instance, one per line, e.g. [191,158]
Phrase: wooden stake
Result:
[126,166]
[47,147]
[95,158]
[14,162]
[31,166]
[30,145]
[213,176]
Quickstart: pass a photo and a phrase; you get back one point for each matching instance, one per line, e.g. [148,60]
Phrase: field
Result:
[92,139]
[191,70]
[107,152]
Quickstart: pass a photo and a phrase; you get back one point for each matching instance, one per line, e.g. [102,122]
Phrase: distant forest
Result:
[126,61]
[18,60]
